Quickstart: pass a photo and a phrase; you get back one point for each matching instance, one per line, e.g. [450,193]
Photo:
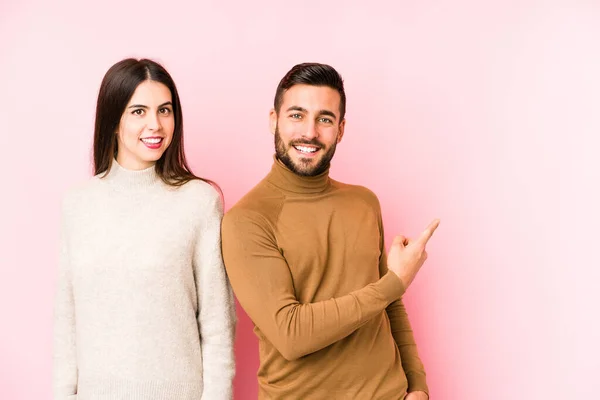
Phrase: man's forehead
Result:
[309,96]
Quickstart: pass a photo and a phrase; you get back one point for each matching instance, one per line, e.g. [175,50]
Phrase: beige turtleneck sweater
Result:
[144,309]
[307,262]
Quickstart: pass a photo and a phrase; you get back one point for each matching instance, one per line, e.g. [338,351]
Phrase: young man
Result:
[306,258]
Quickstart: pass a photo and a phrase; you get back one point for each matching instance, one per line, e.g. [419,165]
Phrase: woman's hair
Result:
[117,88]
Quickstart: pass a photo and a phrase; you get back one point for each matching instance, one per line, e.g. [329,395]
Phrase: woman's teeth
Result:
[152,140]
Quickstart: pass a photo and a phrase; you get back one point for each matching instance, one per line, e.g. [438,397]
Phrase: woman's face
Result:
[146,127]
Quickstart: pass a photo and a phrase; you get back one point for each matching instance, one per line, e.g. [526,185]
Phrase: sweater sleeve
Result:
[65,351]
[263,284]
[402,333]
[216,308]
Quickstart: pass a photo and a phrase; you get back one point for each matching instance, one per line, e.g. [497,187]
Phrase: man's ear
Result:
[341,132]
[273,120]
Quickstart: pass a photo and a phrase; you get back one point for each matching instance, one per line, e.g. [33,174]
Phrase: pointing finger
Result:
[427,233]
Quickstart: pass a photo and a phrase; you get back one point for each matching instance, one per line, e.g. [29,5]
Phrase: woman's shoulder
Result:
[200,196]
[199,189]
[82,190]
[81,198]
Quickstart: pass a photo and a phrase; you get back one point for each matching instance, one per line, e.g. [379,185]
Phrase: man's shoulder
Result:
[357,192]
[261,203]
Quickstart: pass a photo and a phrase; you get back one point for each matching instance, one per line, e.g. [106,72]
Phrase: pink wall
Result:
[486,116]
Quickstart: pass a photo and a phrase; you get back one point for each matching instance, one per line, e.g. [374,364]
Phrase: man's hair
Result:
[313,74]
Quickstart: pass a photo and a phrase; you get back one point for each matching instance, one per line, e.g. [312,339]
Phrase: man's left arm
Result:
[402,333]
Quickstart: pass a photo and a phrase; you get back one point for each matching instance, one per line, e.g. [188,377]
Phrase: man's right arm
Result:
[263,284]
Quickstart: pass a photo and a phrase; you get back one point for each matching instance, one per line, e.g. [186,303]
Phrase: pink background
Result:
[485,115]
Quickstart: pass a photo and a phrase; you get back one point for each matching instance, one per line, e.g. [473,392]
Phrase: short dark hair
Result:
[117,88]
[314,74]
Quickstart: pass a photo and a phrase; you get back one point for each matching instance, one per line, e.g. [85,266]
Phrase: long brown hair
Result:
[116,90]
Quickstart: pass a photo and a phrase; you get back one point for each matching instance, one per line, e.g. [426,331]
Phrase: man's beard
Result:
[304,169]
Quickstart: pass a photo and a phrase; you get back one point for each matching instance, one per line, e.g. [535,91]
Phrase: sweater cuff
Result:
[416,383]
[391,287]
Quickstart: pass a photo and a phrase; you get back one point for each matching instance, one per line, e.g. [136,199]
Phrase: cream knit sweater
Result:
[144,309]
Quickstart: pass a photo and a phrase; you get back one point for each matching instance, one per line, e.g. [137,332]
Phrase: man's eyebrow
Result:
[328,113]
[297,108]
[321,112]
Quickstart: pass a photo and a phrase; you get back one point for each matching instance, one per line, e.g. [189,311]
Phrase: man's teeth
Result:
[152,140]
[305,149]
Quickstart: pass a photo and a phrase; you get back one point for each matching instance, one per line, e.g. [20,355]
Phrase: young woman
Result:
[144,309]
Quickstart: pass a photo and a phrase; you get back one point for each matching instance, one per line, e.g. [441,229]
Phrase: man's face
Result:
[307,128]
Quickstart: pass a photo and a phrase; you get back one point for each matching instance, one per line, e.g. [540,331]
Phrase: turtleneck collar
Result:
[127,178]
[288,181]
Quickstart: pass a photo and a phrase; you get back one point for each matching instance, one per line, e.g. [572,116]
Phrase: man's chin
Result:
[305,166]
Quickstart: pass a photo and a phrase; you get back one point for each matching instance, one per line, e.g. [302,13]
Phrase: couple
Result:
[144,308]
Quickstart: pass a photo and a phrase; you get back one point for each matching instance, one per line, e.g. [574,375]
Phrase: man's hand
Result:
[417,396]
[406,256]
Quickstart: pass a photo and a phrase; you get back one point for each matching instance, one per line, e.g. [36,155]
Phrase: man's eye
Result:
[326,120]
[296,116]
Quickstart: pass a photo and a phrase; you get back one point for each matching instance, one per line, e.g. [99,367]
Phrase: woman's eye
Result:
[165,111]
[139,111]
